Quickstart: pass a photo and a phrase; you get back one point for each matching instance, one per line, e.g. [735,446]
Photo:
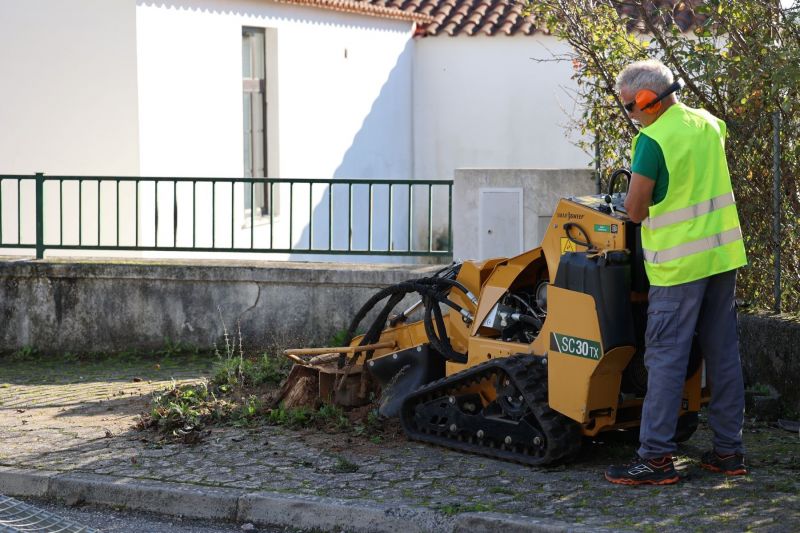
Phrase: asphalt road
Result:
[111,520]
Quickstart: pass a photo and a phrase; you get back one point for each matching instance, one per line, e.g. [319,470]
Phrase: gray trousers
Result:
[673,315]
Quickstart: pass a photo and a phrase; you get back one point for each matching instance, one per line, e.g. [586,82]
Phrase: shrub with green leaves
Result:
[741,63]
[184,408]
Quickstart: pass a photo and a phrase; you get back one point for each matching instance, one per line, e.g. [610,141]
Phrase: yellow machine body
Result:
[583,376]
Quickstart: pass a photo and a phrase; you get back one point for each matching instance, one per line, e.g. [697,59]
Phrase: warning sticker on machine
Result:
[567,246]
[575,346]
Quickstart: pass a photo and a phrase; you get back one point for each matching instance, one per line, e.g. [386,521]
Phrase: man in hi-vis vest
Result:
[681,193]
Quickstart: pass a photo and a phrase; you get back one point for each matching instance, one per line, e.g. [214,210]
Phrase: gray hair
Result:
[649,74]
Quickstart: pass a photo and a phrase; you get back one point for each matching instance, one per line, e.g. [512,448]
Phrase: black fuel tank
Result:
[608,281]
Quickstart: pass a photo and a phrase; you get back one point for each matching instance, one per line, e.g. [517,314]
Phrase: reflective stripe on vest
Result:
[693,247]
[688,213]
[694,231]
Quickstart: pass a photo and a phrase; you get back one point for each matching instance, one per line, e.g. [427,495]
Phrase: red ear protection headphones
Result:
[650,102]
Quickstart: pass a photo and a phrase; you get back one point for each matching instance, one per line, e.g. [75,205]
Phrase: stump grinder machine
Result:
[515,358]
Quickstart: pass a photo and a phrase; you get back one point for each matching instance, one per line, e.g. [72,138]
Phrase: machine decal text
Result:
[575,346]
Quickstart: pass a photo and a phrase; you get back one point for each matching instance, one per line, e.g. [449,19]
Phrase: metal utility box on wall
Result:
[514,204]
[500,221]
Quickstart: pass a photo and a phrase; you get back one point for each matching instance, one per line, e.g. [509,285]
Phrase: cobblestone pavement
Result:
[75,417]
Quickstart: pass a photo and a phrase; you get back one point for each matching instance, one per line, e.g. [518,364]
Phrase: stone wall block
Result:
[770,349]
[100,307]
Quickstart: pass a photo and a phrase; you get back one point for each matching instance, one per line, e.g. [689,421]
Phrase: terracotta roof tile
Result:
[505,17]
[500,17]
[526,27]
[426,8]
[476,17]
[375,8]
[450,28]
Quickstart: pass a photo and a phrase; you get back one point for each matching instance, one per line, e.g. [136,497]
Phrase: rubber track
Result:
[529,375]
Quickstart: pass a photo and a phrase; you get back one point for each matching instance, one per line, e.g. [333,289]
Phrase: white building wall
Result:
[343,108]
[483,102]
[68,91]
[68,101]
[135,87]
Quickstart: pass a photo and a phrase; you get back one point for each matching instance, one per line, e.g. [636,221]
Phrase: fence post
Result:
[450,218]
[597,169]
[39,215]
[776,207]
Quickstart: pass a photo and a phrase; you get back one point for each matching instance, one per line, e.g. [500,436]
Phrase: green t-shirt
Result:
[648,160]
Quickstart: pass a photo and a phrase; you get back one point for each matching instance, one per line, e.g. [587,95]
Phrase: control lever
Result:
[608,208]
[614,200]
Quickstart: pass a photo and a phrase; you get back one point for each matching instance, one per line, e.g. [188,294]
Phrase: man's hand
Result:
[639,197]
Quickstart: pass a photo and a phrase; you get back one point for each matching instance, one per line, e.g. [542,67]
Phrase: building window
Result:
[254,105]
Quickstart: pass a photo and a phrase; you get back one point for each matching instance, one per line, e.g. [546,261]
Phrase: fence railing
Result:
[257,215]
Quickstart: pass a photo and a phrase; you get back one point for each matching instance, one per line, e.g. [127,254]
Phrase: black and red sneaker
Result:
[658,471]
[730,465]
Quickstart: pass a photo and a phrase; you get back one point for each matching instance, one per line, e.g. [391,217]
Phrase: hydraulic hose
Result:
[568,226]
[530,320]
[452,283]
[438,335]
[433,291]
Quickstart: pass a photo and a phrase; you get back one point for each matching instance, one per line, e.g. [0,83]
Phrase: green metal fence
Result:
[333,216]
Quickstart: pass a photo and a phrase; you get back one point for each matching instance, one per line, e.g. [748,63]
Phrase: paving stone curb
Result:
[263,508]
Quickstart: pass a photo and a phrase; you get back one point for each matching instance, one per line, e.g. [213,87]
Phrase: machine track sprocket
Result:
[517,426]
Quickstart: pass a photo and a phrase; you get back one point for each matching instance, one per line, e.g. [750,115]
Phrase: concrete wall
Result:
[96,307]
[484,102]
[770,348]
[541,189]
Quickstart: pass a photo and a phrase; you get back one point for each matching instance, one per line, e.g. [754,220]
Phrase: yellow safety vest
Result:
[694,231]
